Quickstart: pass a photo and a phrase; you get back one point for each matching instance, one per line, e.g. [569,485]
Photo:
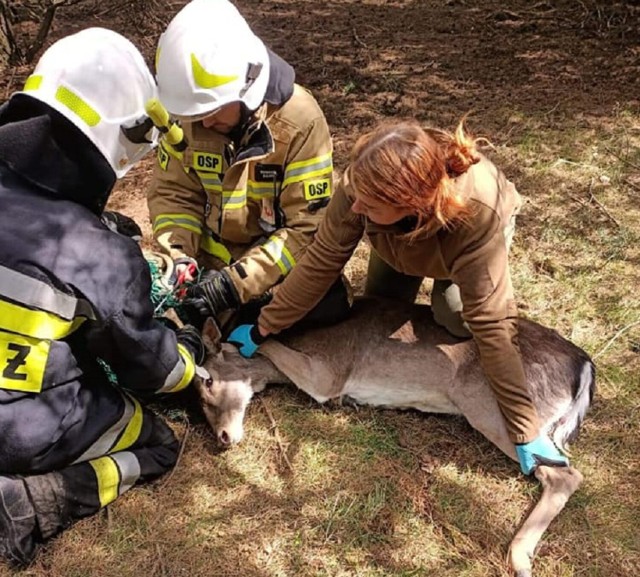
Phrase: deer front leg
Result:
[558,484]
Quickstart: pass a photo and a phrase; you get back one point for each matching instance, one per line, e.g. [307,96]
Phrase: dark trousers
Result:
[446,304]
[110,443]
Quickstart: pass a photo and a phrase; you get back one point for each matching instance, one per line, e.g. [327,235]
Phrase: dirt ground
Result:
[435,60]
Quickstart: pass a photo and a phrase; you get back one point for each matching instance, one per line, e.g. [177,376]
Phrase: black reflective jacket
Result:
[71,291]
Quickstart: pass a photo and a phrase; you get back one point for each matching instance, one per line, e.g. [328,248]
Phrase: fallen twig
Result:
[182,446]
[631,184]
[614,337]
[621,159]
[159,562]
[601,206]
[276,434]
[357,38]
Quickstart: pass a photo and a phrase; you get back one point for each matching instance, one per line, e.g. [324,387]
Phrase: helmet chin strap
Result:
[253,71]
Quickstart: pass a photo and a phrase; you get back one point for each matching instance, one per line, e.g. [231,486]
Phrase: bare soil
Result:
[434,60]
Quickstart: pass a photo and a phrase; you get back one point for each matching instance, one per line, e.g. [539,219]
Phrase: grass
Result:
[377,493]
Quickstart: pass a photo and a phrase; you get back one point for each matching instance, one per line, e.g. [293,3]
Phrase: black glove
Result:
[214,293]
[118,222]
[190,338]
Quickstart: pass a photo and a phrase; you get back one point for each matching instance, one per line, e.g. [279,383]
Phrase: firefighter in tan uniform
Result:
[244,191]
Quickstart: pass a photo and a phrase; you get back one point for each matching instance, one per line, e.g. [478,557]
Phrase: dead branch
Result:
[276,434]
[357,38]
[631,184]
[11,47]
[614,337]
[601,206]
[43,31]
[182,446]
[624,160]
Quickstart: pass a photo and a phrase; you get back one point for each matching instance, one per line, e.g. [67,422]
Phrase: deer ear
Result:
[211,336]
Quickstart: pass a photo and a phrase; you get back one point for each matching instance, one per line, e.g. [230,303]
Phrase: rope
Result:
[163,298]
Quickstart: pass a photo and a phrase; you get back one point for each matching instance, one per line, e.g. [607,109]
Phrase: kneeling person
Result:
[243,193]
[73,294]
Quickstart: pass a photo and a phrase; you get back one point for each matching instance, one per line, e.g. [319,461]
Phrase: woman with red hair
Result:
[431,206]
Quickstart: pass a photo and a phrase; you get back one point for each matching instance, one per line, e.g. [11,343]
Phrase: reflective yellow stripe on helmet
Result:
[77,105]
[180,220]
[33,82]
[208,80]
[312,168]
[280,254]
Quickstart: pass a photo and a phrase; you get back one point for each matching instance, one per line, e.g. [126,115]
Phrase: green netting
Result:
[163,298]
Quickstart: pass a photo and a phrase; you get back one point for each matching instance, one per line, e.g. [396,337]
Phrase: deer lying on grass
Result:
[393,355]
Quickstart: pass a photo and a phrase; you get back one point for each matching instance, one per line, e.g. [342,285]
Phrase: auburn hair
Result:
[405,165]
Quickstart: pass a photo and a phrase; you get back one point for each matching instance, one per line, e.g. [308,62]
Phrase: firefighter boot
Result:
[18,527]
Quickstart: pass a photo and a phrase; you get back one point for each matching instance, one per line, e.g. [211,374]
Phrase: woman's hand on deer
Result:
[247,338]
[540,451]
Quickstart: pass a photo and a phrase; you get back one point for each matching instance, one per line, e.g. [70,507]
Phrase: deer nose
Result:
[224,438]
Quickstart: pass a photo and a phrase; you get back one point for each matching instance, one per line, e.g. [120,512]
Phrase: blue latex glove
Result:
[247,338]
[540,451]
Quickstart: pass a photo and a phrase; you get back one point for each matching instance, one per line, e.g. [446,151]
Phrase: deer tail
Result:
[567,426]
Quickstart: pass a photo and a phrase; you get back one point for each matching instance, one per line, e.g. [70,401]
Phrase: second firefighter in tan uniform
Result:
[248,200]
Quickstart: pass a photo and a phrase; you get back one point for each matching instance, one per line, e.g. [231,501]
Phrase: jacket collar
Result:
[44,148]
[256,138]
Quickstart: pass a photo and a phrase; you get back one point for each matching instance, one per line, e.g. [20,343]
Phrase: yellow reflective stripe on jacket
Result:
[36,324]
[108,478]
[33,293]
[186,221]
[276,249]
[26,332]
[182,373]
[215,248]
[260,190]
[115,475]
[210,181]
[234,199]
[105,443]
[169,149]
[132,431]
[312,168]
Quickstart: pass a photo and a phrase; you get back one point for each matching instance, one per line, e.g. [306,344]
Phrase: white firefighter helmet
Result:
[209,57]
[99,81]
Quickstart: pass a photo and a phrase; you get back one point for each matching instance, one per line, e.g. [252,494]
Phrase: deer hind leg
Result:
[478,405]
[558,484]
[308,373]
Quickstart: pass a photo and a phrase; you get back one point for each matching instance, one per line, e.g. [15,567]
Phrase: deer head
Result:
[226,391]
